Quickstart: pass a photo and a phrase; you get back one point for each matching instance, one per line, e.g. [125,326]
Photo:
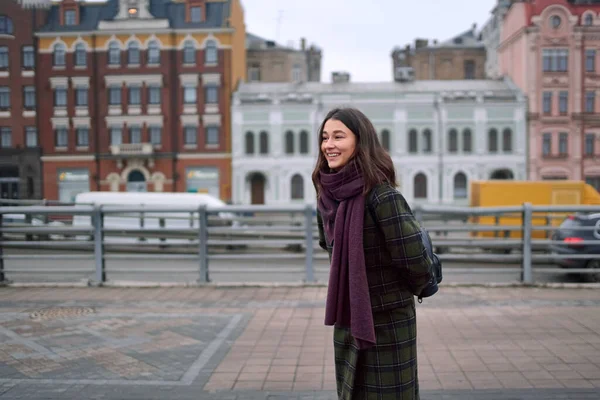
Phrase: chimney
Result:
[302,44]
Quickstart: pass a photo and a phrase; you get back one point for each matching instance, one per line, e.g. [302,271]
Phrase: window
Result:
[59,55]
[297,187]
[210,53]
[114,53]
[453,141]
[135,97]
[153,53]
[555,21]
[420,186]
[590,101]
[4,98]
[5,137]
[492,140]
[211,95]
[80,55]
[264,143]
[547,102]
[212,135]
[189,94]
[385,139]
[31,136]
[254,73]
[297,73]
[289,142]
[81,97]
[135,134]
[4,57]
[563,144]
[412,141]
[507,140]
[28,57]
[469,69]
[555,60]
[154,95]
[588,19]
[6,25]
[60,97]
[196,14]
[133,53]
[62,137]
[70,18]
[460,186]
[83,137]
[563,102]
[249,143]
[189,52]
[29,97]
[155,135]
[303,142]
[114,95]
[589,144]
[593,181]
[546,144]
[590,60]
[427,148]
[116,136]
[190,135]
[467,144]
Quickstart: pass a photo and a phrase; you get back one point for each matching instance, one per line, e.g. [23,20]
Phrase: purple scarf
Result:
[342,206]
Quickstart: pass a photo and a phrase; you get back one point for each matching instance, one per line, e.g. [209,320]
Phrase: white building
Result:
[274,136]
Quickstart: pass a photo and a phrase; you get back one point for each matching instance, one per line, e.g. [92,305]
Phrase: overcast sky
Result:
[358,35]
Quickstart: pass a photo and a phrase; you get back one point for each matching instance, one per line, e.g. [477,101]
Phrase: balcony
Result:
[132,150]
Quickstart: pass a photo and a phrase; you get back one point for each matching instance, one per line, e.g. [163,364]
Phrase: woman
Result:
[378,261]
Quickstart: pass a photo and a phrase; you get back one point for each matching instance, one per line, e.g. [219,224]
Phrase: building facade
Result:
[550,49]
[462,57]
[136,95]
[440,134]
[20,166]
[490,36]
[268,61]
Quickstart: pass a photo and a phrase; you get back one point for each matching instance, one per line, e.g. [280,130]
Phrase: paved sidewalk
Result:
[270,343]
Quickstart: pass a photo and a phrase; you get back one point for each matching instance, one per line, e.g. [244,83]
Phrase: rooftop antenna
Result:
[278,24]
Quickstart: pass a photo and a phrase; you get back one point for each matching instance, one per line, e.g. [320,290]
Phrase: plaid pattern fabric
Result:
[387,371]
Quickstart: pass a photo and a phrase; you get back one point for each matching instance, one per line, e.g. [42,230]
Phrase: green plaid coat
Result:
[398,267]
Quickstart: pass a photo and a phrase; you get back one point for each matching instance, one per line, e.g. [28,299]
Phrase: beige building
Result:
[268,61]
[462,57]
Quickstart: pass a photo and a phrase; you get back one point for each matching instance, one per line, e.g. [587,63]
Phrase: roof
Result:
[254,42]
[217,14]
[465,39]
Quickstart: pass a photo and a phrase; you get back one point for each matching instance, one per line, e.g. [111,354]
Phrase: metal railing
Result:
[205,241]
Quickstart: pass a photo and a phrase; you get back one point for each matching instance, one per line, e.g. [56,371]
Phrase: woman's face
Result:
[338,144]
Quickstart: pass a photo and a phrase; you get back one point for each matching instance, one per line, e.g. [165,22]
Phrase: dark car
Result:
[572,232]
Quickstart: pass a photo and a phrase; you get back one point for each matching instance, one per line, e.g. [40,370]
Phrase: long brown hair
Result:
[369,156]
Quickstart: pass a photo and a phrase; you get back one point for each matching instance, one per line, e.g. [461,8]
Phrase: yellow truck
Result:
[503,193]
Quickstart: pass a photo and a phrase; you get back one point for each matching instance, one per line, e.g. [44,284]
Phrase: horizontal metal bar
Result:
[258,270]
[152,270]
[55,243]
[567,270]
[109,257]
[285,256]
[47,210]
[49,271]
[262,242]
[567,209]
[150,231]
[481,257]
[46,230]
[565,256]
[48,257]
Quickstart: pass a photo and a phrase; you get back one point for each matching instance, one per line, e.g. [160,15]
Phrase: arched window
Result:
[264,143]
[249,143]
[427,147]
[133,53]
[385,139]
[460,186]
[80,55]
[289,142]
[420,186]
[114,53]
[412,141]
[211,55]
[153,52]
[467,144]
[303,142]
[59,55]
[297,187]
[6,25]
[492,140]
[507,140]
[588,19]
[189,52]
[453,141]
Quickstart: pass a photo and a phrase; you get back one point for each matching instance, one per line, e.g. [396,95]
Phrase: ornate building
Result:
[136,95]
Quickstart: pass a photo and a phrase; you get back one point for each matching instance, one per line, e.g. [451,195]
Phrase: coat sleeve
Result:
[402,235]
[322,241]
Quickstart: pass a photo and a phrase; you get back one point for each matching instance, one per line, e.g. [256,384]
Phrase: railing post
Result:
[2,277]
[98,223]
[527,276]
[203,244]
[308,225]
